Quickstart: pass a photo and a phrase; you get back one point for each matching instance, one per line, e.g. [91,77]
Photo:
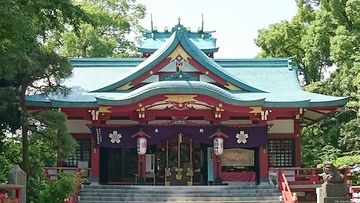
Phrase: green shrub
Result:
[348,161]
[56,191]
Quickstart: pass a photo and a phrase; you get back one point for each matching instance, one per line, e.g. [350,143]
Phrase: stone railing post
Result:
[17,176]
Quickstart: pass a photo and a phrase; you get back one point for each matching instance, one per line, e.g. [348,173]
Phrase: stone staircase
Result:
[179,194]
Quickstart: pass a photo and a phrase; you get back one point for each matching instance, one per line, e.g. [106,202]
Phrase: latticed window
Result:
[281,153]
[82,153]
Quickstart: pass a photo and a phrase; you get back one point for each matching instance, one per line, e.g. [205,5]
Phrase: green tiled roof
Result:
[153,40]
[179,37]
[267,82]
[81,99]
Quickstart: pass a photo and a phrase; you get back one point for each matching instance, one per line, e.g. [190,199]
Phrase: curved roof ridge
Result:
[143,67]
[94,99]
[176,87]
[179,37]
[205,61]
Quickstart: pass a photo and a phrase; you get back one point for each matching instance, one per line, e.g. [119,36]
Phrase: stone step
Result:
[183,198]
[147,201]
[250,194]
[180,191]
[135,187]
[179,194]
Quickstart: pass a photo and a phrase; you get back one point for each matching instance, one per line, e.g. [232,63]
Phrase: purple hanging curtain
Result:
[121,137]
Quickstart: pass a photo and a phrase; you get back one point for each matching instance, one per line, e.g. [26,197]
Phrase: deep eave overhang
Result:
[186,87]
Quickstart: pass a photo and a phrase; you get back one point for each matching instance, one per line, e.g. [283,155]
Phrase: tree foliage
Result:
[56,191]
[27,64]
[35,38]
[106,35]
[323,34]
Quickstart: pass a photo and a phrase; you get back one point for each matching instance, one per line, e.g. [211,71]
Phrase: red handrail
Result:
[355,194]
[58,170]
[302,176]
[16,188]
[285,188]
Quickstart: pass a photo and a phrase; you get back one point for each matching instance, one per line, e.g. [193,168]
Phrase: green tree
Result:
[324,33]
[26,63]
[52,132]
[306,38]
[10,155]
[106,35]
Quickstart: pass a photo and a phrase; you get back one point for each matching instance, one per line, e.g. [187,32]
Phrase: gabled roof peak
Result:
[180,46]
[153,39]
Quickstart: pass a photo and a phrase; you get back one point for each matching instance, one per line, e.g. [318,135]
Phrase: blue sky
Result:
[236,21]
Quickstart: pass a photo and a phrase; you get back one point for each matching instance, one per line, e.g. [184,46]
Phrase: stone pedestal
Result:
[333,193]
[17,176]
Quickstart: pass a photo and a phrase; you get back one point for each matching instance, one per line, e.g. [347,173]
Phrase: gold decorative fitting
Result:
[141,111]
[151,72]
[265,114]
[190,172]
[178,173]
[206,72]
[180,98]
[179,51]
[167,172]
[105,109]
[255,109]
[231,86]
[125,87]
[218,110]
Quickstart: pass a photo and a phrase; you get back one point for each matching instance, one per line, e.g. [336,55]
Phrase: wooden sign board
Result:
[237,157]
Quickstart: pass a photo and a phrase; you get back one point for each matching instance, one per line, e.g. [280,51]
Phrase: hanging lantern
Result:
[141,145]
[218,146]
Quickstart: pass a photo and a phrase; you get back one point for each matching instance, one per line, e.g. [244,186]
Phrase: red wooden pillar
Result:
[141,169]
[297,143]
[95,162]
[263,164]
[217,169]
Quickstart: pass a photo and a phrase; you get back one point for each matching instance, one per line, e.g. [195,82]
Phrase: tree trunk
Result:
[24,132]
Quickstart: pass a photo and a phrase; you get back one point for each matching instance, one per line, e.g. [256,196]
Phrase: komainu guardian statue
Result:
[333,189]
[331,174]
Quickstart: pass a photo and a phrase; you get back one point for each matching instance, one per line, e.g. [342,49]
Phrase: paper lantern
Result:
[141,145]
[218,146]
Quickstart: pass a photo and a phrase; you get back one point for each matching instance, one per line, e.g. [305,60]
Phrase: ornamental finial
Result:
[202,22]
[179,19]
[151,23]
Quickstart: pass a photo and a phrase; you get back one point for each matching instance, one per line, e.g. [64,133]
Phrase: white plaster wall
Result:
[121,122]
[78,126]
[282,126]
[153,78]
[236,122]
[172,68]
[205,78]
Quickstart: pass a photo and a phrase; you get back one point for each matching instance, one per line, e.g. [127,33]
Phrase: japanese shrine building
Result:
[179,100]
